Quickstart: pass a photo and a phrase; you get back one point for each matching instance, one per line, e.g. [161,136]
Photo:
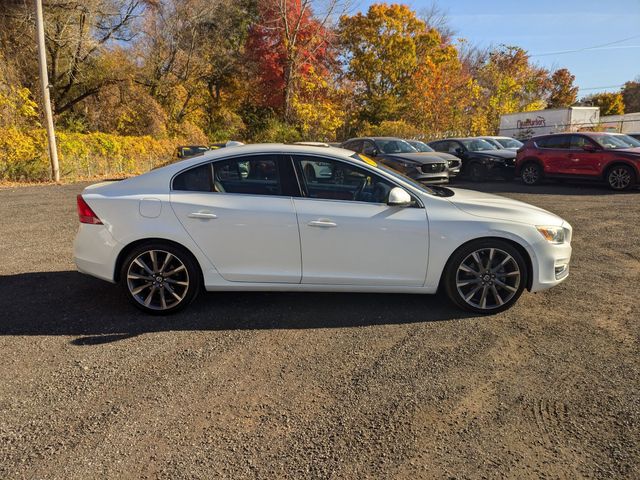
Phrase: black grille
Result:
[434,167]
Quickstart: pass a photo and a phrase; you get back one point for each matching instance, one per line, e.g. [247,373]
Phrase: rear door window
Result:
[440,146]
[254,175]
[196,179]
[354,145]
[555,142]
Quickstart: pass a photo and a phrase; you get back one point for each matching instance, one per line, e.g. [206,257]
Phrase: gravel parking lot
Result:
[284,385]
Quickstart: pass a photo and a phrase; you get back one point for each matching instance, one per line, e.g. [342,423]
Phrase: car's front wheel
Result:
[160,278]
[485,276]
[621,177]
[477,172]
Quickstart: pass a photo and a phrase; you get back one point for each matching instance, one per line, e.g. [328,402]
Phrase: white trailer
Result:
[541,122]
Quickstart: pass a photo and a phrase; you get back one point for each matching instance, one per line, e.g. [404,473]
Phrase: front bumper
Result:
[435,178]
[550,264]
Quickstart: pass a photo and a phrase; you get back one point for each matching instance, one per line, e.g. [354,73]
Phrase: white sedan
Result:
[259,217]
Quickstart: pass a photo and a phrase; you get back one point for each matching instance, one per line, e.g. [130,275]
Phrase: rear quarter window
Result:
[196,179]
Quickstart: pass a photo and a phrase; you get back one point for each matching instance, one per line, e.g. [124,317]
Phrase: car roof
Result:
[588,134]
[452,138]
[374,138]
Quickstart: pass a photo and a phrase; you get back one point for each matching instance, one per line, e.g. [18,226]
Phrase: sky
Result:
[546,27]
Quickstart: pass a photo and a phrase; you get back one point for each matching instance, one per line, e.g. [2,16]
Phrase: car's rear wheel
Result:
[531,173]
[485,276]
[160,278]
[621,177]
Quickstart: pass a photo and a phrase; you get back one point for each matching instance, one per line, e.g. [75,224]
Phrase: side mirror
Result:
[587,147]
[399,197]
[459,150]
[371,151]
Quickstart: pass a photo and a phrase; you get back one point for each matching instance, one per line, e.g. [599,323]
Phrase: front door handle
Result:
[202,215]
[322,223]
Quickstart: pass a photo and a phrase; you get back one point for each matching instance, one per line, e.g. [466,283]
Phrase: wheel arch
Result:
[518,246]
[136,243]
[620,162]
[526,160]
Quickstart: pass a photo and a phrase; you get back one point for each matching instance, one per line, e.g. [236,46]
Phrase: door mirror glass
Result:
[399,197]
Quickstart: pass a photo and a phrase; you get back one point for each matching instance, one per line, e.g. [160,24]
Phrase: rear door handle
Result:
[322,223]
[202,215]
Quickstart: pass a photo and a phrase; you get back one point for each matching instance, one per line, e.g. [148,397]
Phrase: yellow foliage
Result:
[318,113]
[93,155]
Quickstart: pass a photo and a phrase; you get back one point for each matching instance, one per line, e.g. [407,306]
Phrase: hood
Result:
[493,206]
[418,157]
[504,153]
[635,152]
[443,156]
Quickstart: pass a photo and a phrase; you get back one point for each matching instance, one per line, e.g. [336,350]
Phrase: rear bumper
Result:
[95,251]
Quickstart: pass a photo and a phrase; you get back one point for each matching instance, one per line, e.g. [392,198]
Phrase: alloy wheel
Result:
[619,178]
[157,280]
[488,278]
[530,174]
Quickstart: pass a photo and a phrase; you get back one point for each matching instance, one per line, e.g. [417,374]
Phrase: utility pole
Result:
[46,100]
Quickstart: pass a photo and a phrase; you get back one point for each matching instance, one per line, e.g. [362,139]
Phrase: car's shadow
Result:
[68,303]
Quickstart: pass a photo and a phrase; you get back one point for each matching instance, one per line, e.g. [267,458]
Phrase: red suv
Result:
[610,157]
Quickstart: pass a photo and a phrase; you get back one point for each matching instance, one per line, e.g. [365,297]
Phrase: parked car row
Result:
[612,158]
[439,161]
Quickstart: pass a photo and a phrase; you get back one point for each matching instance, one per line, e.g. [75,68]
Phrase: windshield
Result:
[394,173]
[395,145]
[477,144]
[616,141]
[509,142]
[421,146]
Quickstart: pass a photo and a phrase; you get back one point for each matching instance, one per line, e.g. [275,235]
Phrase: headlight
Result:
[552,234]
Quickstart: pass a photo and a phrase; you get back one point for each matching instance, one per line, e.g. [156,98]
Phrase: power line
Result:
[603,87]
[562,52]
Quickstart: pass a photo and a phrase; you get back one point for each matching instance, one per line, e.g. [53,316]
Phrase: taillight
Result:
[85,214]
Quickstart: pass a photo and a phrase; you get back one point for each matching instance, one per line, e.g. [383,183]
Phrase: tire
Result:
[531,173]
[160,278]
[472,286]
[477,173]
[621,177]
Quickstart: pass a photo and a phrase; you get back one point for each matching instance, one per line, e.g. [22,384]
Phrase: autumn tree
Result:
[383,50]
[631,96]
[287,42]
[509,83]
[610,103]
[443,96]
[563,92]
[77,33]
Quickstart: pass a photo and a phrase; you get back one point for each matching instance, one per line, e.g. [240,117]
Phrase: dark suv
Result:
[396,153]
[613,158]
[480,159]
